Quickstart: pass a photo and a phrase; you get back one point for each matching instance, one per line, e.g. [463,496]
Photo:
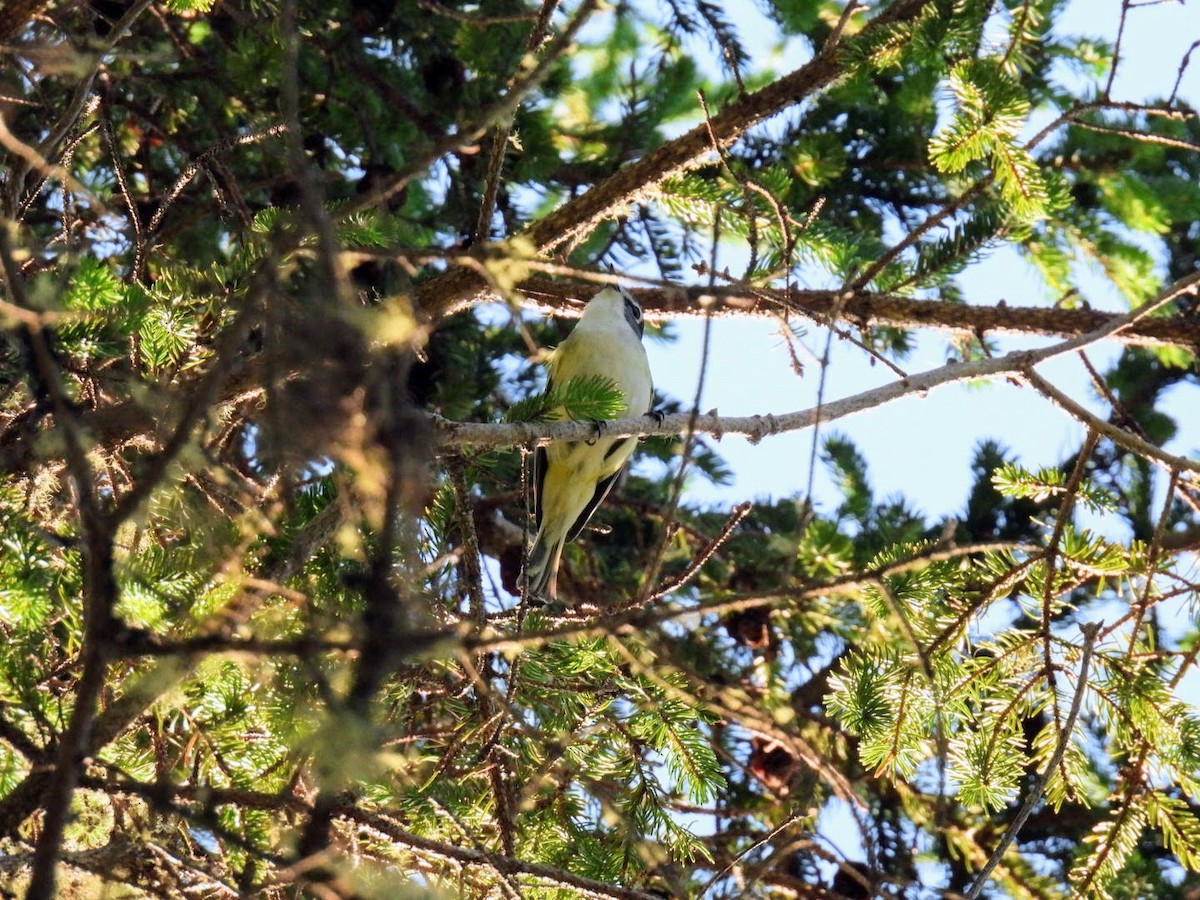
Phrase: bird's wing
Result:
[602,490]
[540,463]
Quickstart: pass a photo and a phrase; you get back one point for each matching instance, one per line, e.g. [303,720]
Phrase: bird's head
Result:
[613,304]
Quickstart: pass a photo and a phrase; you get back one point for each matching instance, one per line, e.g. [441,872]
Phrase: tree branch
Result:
[1114,433]
[129,420]
[872,309]
[164,794]
[1089,641]
[458,287]
[757,427]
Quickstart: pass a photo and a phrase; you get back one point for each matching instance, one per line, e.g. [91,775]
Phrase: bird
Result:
[572,478]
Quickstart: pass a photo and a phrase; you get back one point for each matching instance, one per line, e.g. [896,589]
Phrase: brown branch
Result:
[447,641]
[1070,490]
[36,159]
[1116,434]
[873,309]
[100,635]
[498,111]
[1144,137]
[198,161]
[705,553]
[451,13]
[15,14]
[760,426]
[123,188]
[491,181]
[16,738]
[641,619]
[196,407]
[129,420]
[99,585]
[458,287]
[164,795]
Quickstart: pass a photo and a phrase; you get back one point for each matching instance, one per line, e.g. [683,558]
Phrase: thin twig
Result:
[491,181]
[197,163]
[705,553]
[19,803]
[752,848]
[495,861]
[135,219]
[835,36]
[685,456]
[451,13]
[1153,559]
[1183,66]
[1119,436]
[499,110]
[1050,562]
[472,573]
[450,291]
[1089,631]
[35,161]
[329,264]
[1145,137]
[1116,57]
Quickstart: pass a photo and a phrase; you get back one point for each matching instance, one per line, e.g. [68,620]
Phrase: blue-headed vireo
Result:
[572,478]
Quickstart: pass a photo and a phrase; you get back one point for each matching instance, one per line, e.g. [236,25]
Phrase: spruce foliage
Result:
[262,626]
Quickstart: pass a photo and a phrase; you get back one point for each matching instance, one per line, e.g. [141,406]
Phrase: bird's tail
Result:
[541,572]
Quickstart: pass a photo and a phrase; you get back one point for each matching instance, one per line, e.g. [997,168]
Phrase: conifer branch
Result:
[503,864]
[755,428]
[869,309]
[460,286]
[1090,631]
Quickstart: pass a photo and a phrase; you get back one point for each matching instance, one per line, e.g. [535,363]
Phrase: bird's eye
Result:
[631,304]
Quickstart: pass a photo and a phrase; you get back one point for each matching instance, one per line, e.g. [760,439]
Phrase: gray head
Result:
[633,311]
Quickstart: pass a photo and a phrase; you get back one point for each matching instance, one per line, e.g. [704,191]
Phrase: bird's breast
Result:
[614,353]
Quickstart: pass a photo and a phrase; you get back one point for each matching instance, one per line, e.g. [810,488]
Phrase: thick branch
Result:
[873,309]
[456,288]
[118,424]
[757,427]
[754,428]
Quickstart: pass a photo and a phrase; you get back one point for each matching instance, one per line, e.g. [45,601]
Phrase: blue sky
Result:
[922,447]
